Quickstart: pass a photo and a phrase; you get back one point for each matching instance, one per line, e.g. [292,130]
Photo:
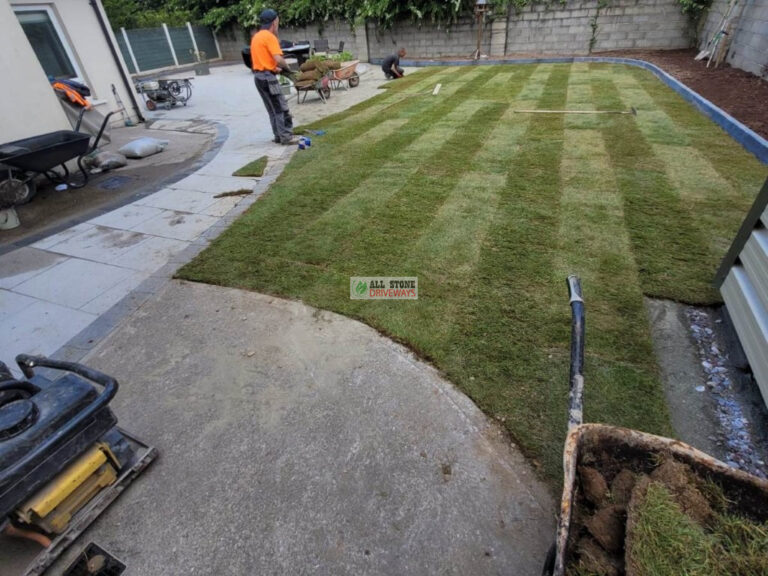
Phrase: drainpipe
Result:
[127,83]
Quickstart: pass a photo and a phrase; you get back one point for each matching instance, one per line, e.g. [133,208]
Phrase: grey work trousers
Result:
[279,116]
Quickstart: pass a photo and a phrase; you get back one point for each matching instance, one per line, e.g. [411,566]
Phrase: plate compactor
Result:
[63,459]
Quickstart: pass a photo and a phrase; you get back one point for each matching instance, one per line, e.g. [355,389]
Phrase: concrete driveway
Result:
[292,440]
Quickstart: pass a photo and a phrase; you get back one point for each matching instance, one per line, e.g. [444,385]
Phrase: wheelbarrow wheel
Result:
[326,92]
[16,190]
[151,105]
[354,80]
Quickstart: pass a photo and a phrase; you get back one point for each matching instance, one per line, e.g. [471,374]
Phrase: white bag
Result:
[143,147]
[109,160]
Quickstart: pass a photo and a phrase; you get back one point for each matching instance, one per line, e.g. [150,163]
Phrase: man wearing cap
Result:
[267,59]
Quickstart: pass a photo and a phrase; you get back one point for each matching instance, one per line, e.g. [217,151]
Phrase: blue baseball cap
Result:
[267,16]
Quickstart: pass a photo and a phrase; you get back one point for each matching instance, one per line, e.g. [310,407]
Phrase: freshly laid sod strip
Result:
[667,542]
[491,210]
[255,168]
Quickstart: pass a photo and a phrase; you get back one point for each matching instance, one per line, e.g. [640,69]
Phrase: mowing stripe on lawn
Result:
[502,144]
[347,124]
[449,247]
[534,87]
[283,215]
[415,204]
[708,195]
[501,346]
[345,217]
[670,249]
[421,77]
[594,244]
[716,202]
[428,84]
[744,172]
[620,368]
[655,124]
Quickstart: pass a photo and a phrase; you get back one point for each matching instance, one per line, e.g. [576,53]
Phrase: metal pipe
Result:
[127,83]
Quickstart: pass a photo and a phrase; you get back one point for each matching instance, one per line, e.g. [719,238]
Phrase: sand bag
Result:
[143,147]
[108,160]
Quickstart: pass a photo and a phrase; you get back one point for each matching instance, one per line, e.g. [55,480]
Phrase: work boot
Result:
[290,141]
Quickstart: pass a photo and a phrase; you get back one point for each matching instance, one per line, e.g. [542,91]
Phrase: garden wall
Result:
[548,29]
[572,27]
[749,43]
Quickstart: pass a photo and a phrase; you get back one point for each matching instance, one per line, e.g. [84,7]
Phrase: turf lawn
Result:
[492,209]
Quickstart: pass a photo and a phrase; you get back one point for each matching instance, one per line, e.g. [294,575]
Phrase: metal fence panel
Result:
[182,45]
[206,42]
[150,46]
[124,51]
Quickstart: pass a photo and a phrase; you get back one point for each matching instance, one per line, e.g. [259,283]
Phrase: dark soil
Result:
[741,94]
[601,520]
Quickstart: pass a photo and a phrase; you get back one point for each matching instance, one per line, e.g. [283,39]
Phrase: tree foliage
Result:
[147,13]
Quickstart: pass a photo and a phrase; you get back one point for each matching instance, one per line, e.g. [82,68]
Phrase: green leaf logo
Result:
[361,288]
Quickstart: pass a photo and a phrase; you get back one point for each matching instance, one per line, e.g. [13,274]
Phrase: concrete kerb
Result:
[750,140]
[76,348]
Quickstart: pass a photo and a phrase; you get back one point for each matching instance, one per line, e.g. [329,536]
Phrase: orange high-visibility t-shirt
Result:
[264,46]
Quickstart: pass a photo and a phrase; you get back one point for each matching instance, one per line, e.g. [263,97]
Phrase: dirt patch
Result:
[742,94]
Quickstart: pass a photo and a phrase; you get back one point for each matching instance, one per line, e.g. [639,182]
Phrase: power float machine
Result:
[63,459]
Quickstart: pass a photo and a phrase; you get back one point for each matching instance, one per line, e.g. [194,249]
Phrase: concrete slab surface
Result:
[40,327]
[296,441]
[20,265]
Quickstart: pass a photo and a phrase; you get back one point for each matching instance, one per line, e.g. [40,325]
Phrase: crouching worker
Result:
[268,61]
[391,65]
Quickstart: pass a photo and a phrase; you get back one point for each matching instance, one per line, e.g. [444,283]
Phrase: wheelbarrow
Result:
[346,73]
[321,86]
[21,161]
[622,447]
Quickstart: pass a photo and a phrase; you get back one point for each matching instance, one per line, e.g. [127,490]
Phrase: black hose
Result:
[128,84]
[575,395]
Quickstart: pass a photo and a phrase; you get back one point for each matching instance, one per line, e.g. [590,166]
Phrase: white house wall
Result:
[90,49]
[28,106]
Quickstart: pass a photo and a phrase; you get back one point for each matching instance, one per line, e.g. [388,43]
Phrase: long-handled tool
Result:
[717,38]
[121,107]
[632,111]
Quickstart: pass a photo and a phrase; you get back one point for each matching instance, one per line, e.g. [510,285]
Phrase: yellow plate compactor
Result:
[63,459]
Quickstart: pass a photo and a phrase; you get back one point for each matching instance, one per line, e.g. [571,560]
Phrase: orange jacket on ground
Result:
[264,46]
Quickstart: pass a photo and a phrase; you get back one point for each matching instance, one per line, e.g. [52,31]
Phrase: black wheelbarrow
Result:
[23,160]
[614,450]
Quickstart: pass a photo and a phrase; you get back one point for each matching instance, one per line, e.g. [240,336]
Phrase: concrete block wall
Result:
[749,38]
[622,24]
[556,28]
[231,42]
[429,41]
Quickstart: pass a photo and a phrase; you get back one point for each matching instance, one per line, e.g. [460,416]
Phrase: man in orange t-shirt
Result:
[267,59]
